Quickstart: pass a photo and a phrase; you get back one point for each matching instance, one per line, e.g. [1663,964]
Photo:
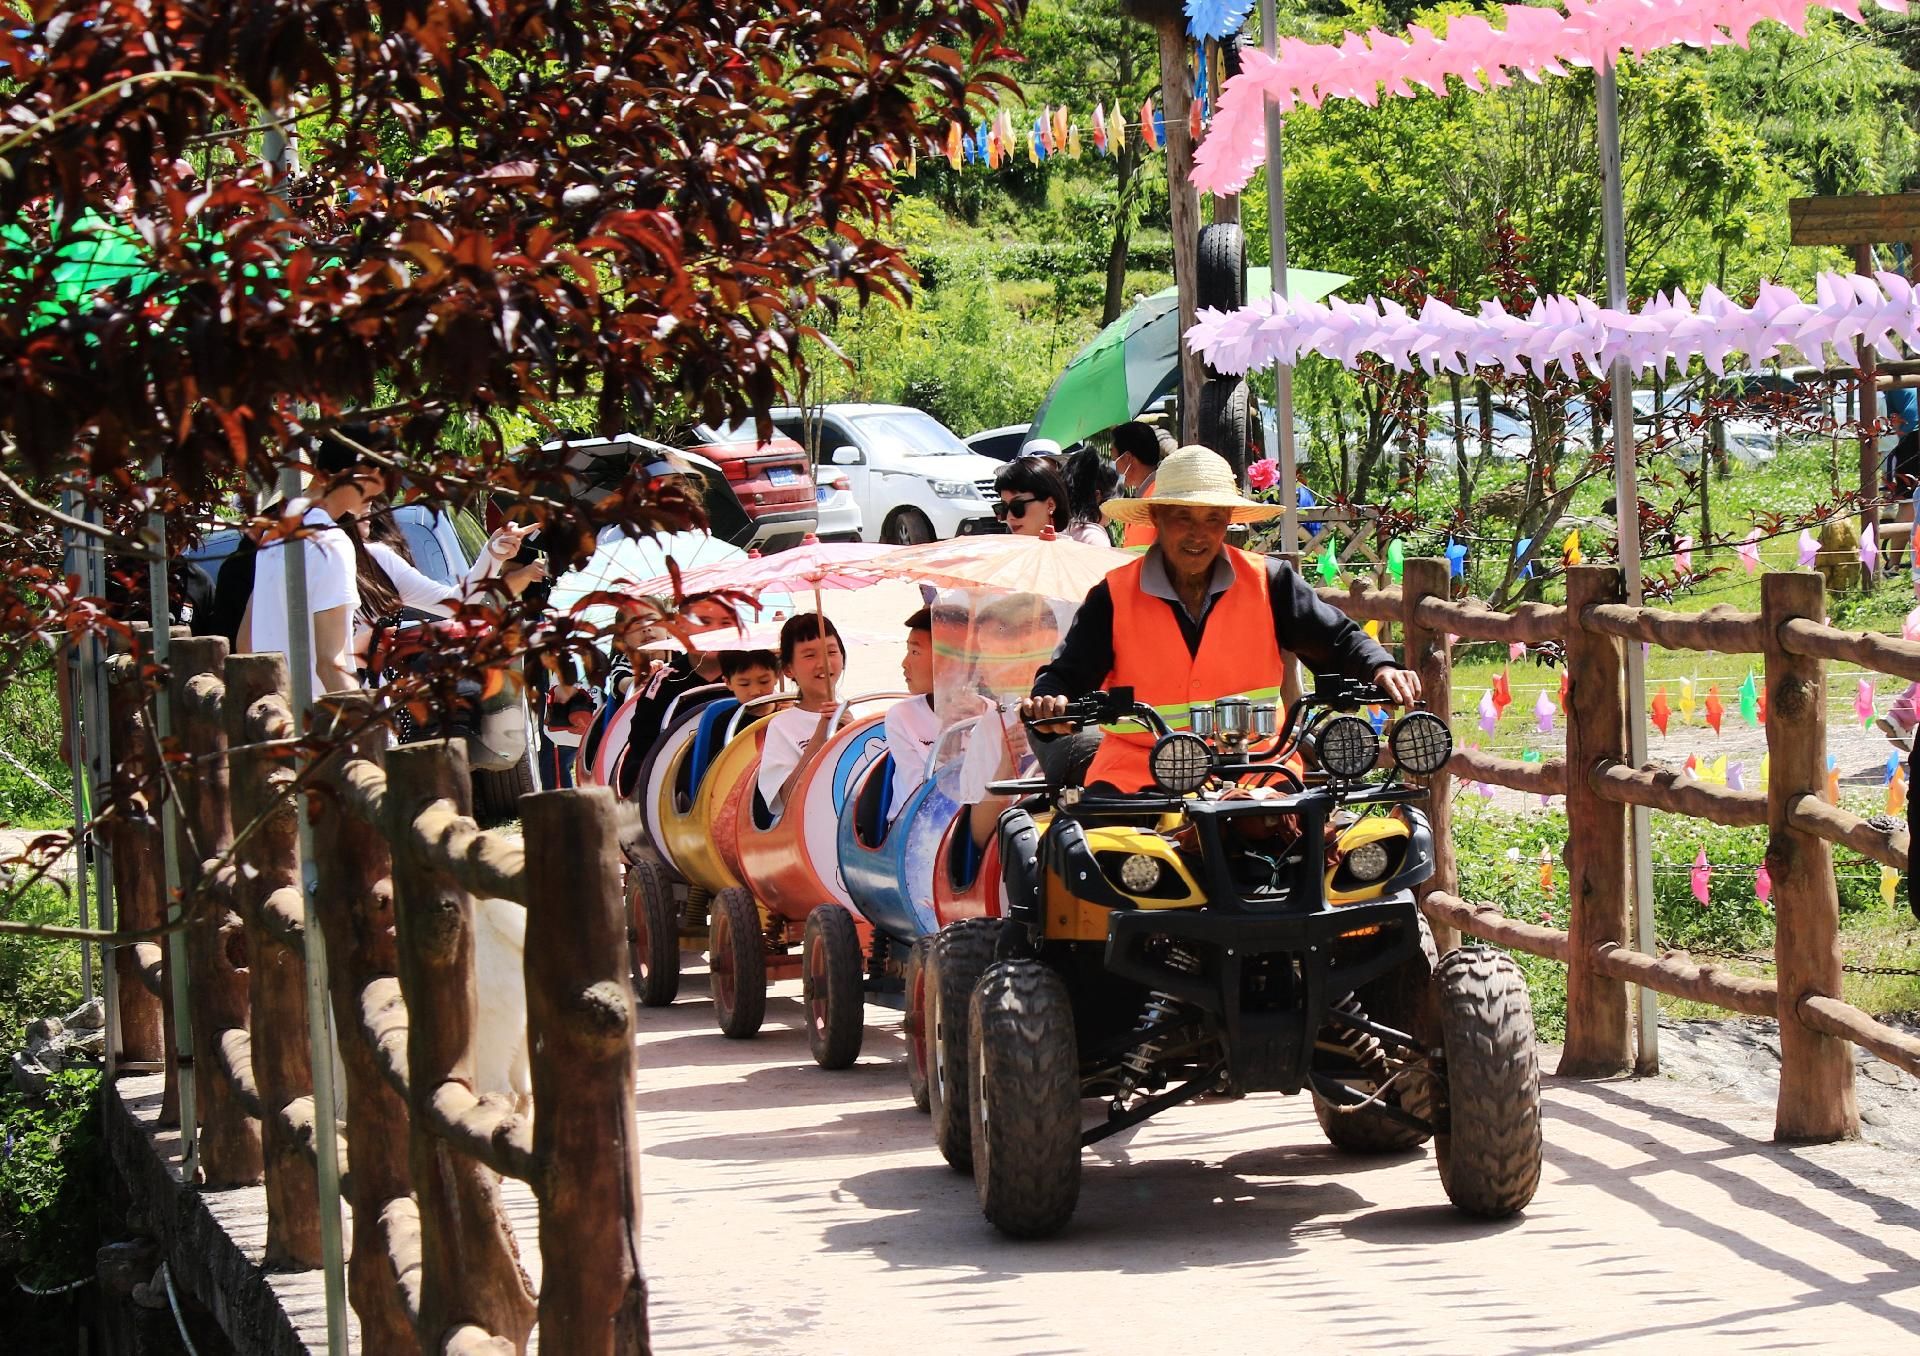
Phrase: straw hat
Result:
[1194,477]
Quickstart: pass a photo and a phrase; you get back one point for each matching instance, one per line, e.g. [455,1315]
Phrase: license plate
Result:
[781,476]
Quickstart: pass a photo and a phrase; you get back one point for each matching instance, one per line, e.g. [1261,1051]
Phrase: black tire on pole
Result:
[1225,417]
[832,989]
[1025,1071]
[1489,1147]
[654,924]
[961,953]
[738,954]
[1220,268]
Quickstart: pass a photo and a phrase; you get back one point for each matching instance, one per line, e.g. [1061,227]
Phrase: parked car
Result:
[1002,444]
[911,477]
[839,511]
[1511,430]
[603,463]
[500,752]
[1750,442]
[771,481]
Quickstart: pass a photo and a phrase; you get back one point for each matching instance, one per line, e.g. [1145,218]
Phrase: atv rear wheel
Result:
[960,954]
[738,957]
[1025,1072]
[832,988]
[1489,1148]
[915,1024]
[655,925]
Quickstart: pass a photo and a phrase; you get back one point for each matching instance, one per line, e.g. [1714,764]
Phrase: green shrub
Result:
[53,1176]
[37,977]
[30,734]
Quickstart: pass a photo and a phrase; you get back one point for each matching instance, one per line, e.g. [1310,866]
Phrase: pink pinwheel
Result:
[1489,713]
[1702,879]
[1543,710]
[1809,549]
[1863,701]
[1749,551]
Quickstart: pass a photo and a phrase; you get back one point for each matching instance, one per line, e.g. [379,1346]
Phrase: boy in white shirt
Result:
[912,727]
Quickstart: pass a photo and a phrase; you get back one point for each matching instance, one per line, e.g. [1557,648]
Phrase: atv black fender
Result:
[1020,867]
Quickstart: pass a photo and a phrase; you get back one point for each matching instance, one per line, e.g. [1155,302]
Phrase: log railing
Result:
[1790,633]
[398,865]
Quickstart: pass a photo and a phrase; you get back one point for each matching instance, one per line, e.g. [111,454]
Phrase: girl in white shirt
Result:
[812,657]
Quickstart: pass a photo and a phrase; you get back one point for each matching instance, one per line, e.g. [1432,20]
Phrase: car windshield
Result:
[910,433]
[744,432]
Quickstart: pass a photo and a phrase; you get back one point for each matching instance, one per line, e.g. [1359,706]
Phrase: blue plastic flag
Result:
[1520,553]
[1456,560]
[1378,716]
[1160,126]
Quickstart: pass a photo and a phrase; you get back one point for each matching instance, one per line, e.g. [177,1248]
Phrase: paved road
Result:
[794,1210]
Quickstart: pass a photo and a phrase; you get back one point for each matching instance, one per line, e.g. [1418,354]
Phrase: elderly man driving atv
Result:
[1193,620]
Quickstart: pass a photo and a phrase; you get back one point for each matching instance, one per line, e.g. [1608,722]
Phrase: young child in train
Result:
[812,657]
[912,727]
[750,673]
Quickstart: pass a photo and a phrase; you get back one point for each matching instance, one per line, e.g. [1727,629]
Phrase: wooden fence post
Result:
[1599,863]
[471,1274]
[138,886]
[216,941]
[353,898]
[1429,655]
[580,1029]
[268,882]
[1816,1071]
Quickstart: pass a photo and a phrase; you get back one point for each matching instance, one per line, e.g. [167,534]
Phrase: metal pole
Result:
[319,1024]
[1277,266]
[277,148]
[1627,511]
[159,594]
[73,567]
[99,763]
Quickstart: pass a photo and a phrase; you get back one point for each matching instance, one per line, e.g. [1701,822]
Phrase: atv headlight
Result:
[1421,743]
[1180,763]
[1368,862]
[1348,747]
[1139,873]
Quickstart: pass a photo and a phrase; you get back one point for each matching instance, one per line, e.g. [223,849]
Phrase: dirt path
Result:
[794,1210]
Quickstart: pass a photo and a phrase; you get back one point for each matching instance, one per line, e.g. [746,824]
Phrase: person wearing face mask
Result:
[1138,450]
[1194,620]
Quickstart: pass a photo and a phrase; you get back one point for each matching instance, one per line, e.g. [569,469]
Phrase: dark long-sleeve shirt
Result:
[1322,638]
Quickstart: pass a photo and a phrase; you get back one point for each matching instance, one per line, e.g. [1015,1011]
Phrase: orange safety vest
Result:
[1139,536]
[1239,656]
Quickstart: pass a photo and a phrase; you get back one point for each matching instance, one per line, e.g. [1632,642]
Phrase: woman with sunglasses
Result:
[1034,500]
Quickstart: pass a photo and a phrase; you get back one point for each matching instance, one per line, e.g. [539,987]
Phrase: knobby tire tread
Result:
[1490,1156]
[1026,1099]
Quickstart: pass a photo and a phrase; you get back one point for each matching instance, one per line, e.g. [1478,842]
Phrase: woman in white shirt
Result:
[812,657]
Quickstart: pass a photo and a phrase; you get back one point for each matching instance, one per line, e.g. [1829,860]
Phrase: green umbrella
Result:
[1134,361]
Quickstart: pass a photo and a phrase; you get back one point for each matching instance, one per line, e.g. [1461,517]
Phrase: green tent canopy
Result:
[1135,360]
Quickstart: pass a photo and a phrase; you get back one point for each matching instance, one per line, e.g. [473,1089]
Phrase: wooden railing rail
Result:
[1816,1096]
[399,865]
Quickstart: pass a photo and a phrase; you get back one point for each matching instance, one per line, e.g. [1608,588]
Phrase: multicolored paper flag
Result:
[1502,691]
[1870,550]
[1516,652]
[1737,776]
[954,145]
[1749,701]
[1570,549]
[1683,555]
[1715,709]
[1686,701]
[1329,562]
[1889,883]
[1809,549]
[1897,792]
[1546,873]
[1489,711]
[1563,692]
[1749,551]
[1702,879]
[1073,141]
[1543,711]
[1833,780]
[1762,883]
[1099,127]
[1661,712]
[1396,560]
[1716,771]
[1149,124]
[1863,701]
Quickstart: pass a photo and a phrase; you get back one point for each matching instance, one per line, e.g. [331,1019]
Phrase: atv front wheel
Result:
[1025,1072]
[832,990]
[1489,1144]
[915,1024]
[655,924]
[738,958]
[960,954]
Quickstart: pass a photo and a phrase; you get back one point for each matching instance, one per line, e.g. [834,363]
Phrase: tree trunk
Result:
[1116,298]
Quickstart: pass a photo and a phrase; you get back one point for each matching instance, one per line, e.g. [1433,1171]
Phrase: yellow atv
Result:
[1248,925]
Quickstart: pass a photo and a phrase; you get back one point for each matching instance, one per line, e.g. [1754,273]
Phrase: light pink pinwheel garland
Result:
[1882,311]
[1534,41]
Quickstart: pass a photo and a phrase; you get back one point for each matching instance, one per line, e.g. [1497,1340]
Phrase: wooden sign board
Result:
[1856,219]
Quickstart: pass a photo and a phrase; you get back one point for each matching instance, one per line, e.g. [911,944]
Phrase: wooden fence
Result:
[398,865]
[1790,633]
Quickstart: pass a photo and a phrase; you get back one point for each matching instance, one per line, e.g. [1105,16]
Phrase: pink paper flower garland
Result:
[1671,330]
[1535,41]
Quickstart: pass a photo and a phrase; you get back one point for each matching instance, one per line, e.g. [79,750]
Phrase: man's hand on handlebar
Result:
[1402,686]
[1039,710]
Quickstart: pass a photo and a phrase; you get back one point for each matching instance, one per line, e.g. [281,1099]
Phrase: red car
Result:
[772,480]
